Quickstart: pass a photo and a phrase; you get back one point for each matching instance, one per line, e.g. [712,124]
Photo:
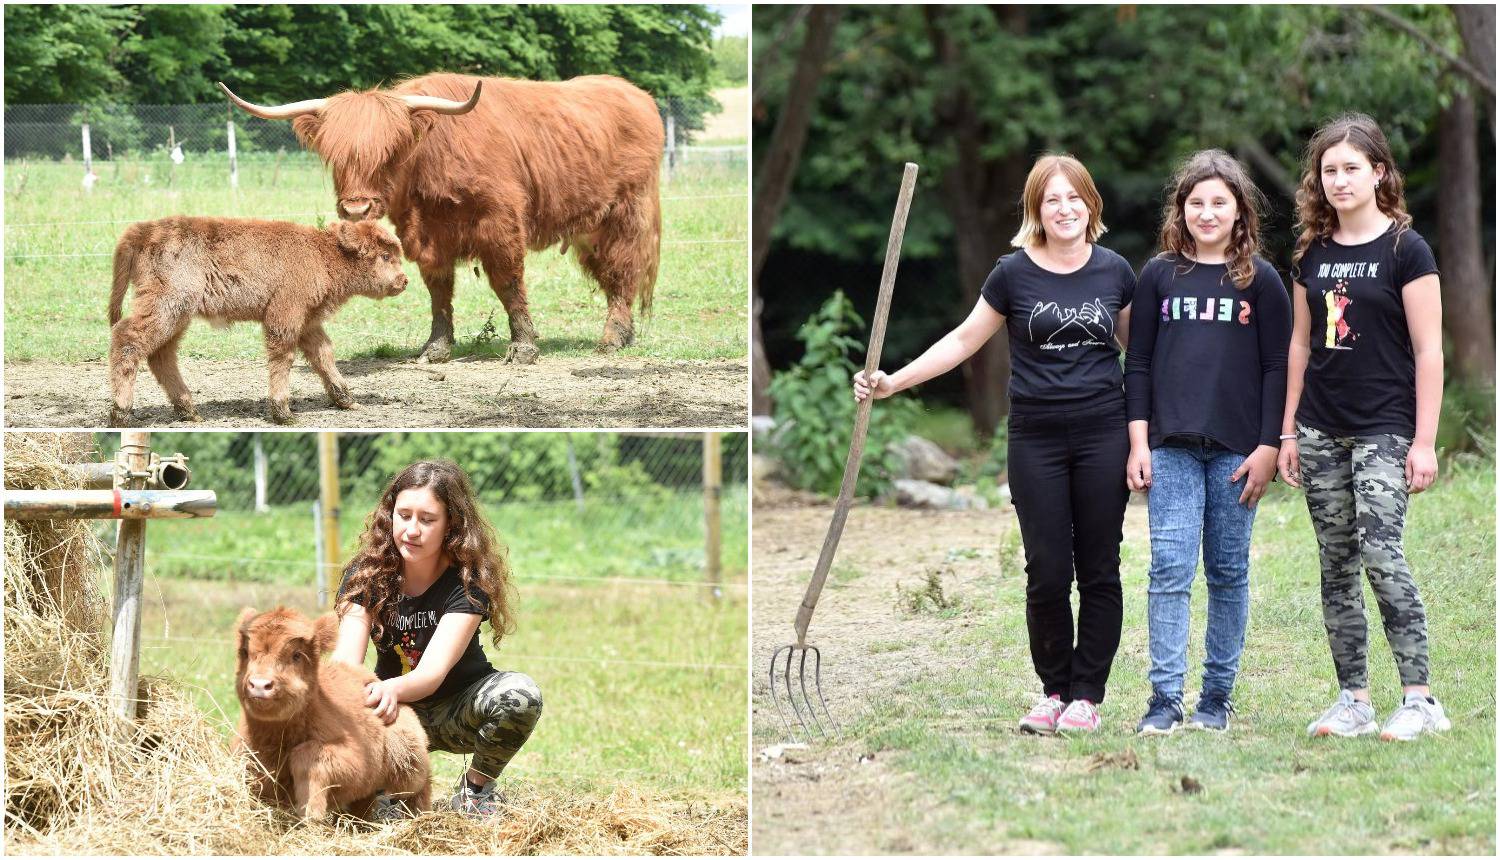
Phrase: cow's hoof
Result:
[346,403]
[435,352]
[188,414]
[121,417]
[282,415]
[522,353]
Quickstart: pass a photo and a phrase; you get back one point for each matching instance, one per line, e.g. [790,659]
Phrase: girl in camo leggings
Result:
[1364,387]
[429,569]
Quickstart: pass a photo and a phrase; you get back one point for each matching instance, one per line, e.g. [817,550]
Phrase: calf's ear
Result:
[245,615]
[326,632]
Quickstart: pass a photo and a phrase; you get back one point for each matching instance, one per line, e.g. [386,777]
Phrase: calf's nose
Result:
[259,688]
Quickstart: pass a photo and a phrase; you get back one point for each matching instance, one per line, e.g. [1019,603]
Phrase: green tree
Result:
[64,53]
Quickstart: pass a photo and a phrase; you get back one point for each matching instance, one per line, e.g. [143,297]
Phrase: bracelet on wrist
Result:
[1285,436]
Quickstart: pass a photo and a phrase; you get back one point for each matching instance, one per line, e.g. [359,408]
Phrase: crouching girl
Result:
[429,569]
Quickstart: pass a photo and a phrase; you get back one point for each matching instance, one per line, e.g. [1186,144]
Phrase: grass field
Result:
[58,242]
[931,698]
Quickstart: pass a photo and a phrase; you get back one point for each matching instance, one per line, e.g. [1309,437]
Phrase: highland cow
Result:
[314,745]
[482,169]
[289,277]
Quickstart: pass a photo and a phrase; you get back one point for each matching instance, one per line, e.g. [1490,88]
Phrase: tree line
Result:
[843,95]
[173,54]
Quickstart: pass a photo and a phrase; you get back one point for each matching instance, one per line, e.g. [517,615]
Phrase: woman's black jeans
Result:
[1067,480]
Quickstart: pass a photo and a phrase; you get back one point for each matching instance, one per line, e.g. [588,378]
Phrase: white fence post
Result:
[89,178]
[260,477]
[671,142]
[130,565]
[320,579]
[573,472]
[234,176]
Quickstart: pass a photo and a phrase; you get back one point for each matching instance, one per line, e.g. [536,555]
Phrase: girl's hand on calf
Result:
[1257,470]
[381,696]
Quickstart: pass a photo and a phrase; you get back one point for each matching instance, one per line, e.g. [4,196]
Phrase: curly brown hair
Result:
[1316,217]
[1244,236]
[373,578]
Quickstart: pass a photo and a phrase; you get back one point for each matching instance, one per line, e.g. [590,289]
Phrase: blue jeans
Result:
[1192,501]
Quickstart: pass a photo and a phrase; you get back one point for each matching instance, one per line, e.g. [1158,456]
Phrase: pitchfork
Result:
[795,682]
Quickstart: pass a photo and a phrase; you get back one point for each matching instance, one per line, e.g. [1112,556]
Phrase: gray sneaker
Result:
[477,804]
[387,810]
[1348,718]
[1416,715]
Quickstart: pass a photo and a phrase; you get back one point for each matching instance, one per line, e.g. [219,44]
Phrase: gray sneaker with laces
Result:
[1417,714]
[478,804]
[1347,718]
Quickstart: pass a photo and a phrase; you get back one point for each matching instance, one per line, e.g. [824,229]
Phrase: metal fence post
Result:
[260,477]
[89,178]
[318,578]
[130,561]
[713,482]
[671,142]
[328,478]
[573,471]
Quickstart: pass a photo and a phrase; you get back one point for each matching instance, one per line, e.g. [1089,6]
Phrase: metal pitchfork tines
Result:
[795,682]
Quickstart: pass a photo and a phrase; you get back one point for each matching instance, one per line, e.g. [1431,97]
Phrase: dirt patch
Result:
[593,391]
[835,798]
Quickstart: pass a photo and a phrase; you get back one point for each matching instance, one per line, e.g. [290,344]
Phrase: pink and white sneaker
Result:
[1042,718]
[1080,717]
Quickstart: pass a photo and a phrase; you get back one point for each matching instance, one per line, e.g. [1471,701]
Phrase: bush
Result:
[815,409]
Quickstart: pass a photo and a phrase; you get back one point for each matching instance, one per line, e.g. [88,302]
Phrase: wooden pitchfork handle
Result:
[862,413]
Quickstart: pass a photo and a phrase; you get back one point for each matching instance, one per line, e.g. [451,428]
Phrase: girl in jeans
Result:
[1364,387]
[428,571]
[1205,381]
[1064,301]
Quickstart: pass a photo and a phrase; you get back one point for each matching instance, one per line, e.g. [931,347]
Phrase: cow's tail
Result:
[651,246]
[125,253]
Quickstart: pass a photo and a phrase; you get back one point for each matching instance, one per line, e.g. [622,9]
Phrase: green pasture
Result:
[656,538]
[58,242]
[1263,788]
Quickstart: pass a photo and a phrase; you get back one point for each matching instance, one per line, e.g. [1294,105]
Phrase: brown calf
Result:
[314,744]
[289,277]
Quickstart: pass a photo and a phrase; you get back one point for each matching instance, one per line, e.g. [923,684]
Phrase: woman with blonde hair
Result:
[1364,389]
[429,569]
[1205,383]
[1064,301]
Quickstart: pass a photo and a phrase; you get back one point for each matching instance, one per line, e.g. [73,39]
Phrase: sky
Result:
[736,19]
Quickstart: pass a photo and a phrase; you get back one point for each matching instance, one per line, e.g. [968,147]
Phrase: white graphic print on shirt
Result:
[1054,327]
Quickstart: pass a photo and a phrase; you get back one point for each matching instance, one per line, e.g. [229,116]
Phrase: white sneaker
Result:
[1042,718]
[1416,715]
[1347,718]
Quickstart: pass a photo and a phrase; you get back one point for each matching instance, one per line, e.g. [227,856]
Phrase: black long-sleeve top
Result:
[1205,358]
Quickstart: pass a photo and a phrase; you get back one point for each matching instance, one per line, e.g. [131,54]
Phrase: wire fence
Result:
[215,142]
[574,509]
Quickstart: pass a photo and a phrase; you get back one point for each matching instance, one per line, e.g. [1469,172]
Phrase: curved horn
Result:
[286,111]
[448,106]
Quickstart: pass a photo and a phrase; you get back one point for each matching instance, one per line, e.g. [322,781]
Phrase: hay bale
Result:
[81,781]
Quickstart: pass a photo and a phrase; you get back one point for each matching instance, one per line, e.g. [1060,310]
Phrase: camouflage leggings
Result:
[1356,494]
[490,719]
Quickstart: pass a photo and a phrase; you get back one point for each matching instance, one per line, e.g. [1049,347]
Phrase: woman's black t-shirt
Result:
[1361,377]
[1207,358]
[1061,326]
[399,648]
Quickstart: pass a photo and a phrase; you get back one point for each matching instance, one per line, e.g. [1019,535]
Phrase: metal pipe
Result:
[93,476]
[110,504]
[130,573]
[165,473]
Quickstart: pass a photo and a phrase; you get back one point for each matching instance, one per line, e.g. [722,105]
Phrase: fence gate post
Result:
[328,475]
[713,482]
[130,559]
[671,142]
[260,477]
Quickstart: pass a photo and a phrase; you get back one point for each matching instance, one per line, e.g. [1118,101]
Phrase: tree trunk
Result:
[1467,288]
[979,197]
[1476,26]
[773,180]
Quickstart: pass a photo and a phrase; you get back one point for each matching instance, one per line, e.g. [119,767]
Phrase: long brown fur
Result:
[289,277]
[314,746]
[533,165]
[374,579]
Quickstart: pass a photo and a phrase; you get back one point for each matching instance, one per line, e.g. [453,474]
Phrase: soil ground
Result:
[838,798]
[592,391]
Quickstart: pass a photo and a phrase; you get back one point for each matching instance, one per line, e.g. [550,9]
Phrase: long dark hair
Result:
[1244,236]
[374,579]
[1315,215]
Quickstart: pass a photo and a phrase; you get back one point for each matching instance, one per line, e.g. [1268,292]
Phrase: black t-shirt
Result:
[1361,375]
[1061,327]
[1206,358]
[399,648]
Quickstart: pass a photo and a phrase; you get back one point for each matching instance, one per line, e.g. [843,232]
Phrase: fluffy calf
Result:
[314,743]
[289,277]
